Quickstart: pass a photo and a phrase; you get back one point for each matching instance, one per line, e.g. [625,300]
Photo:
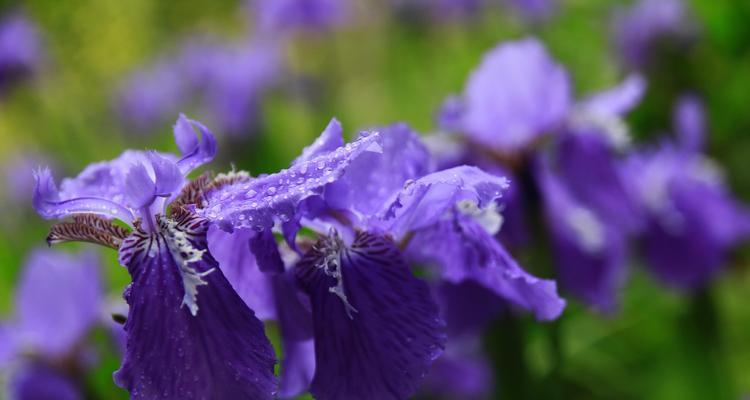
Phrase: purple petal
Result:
[460,373]
[232,252]
[58,301]
[463,250]
[295,324]
[468,307]
[257,203]
[590,250]
[590,169]
[7,346]
[38,382]
[184,135]
[373,178]
[423,202]
[384,348]
[168,177]
[175,351]
[618,100]
[198,152]
[328,141]
[517,94]
[263,246]
[140,189]
[690,123]
[47,202]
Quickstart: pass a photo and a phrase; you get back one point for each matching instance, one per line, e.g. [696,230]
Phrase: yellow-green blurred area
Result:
[378,70]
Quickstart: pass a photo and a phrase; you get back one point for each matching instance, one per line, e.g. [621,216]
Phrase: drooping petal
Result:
[194,152]
[214,347]
[263,246]
[167,175]
[589,246]
[258,202]
[58,301]
[462,250]
[423,202]
[232,252]
[328,141]
[516,94]
[38,382]
[49,205]
[377,329]
[461,372]
[373,178]
[590,170]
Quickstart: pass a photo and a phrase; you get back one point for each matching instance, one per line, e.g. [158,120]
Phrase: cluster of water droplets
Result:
[257,203]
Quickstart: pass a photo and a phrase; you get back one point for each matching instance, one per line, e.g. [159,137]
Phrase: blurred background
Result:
[82,81]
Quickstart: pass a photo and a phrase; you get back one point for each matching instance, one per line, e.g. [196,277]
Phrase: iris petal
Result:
[384,349]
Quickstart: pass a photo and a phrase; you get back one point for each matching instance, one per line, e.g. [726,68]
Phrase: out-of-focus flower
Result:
[692,218]
[20,49]
[57,304]
[638,31]
[18,178]
[224,81]
[517,94]
[290,15]
[588,211]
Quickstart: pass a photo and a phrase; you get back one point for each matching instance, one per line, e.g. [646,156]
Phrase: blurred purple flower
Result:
[648,23]
[689,123]
[20,49]
[225,81]
[289,15]
[58,302]
[692,219]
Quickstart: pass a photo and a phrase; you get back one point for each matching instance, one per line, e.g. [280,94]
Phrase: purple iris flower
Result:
[189,333]
[58,302]
[534,10]
[646,25]
[352,291]
[588,211]
[692,220]
[20,49]
[287,15]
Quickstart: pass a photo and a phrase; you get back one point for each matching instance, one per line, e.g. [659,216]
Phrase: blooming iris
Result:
[58,301]
[347,304]
[518,114]
[286,15]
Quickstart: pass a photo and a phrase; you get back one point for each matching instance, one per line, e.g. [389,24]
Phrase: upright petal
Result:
[516,94]
[167,175]
[329,140]
[194,152]
[377,329]
[58,301]
[216,349]
[140,189]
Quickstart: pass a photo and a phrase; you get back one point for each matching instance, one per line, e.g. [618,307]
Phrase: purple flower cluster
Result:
[596,190]
[354,321]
